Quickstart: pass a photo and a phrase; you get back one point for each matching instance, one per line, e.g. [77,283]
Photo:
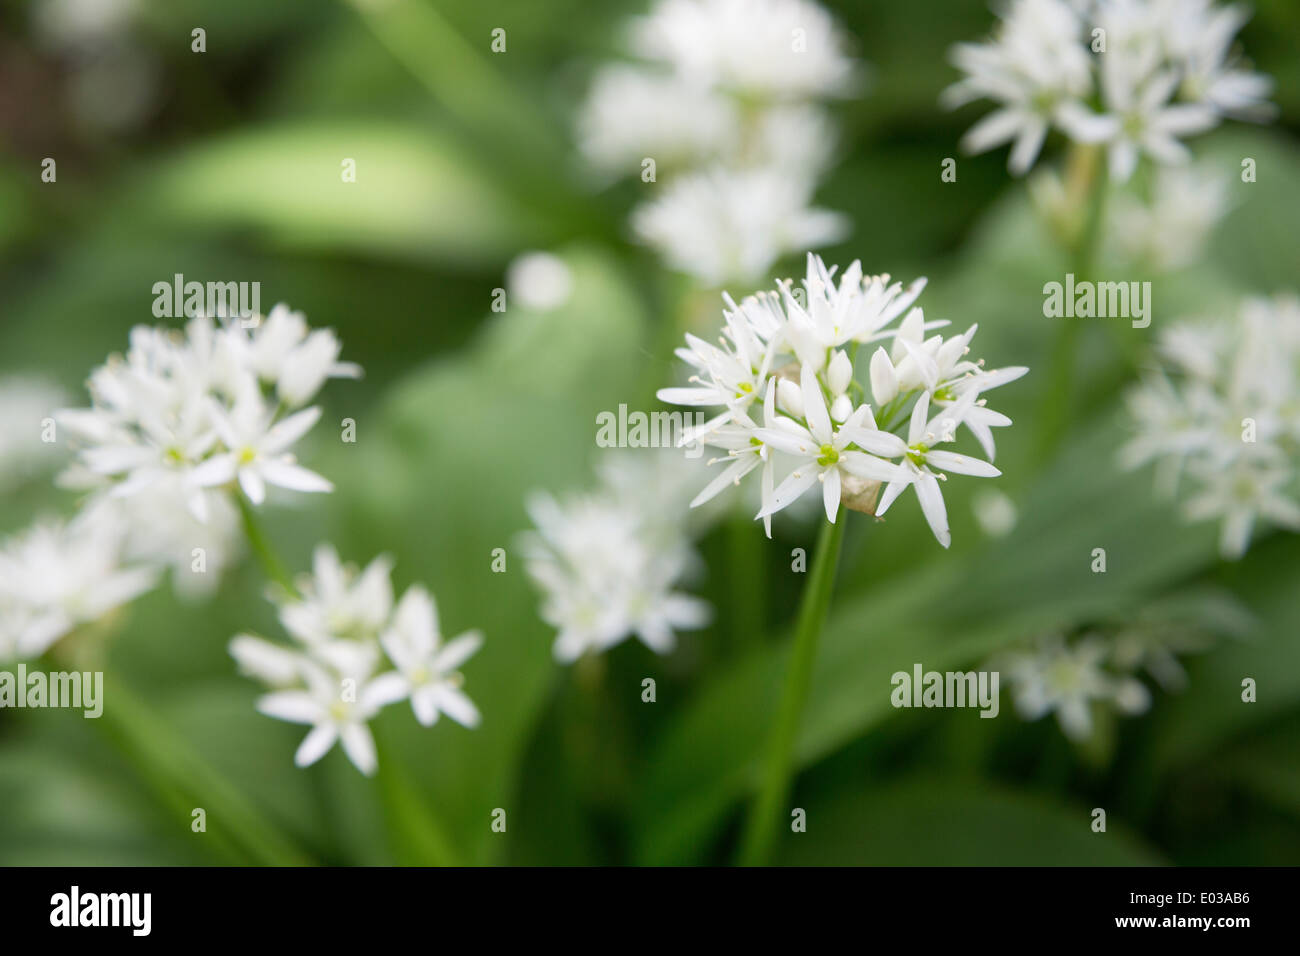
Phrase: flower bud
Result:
[884,383]
[839,373]
[789,397]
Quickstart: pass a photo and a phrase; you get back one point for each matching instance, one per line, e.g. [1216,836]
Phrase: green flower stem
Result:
[760,832]
[271,564]
[184,781]
[418,838]
[1089,182]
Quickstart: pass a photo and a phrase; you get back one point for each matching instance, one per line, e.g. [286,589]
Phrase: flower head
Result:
[336,676]
[795,348]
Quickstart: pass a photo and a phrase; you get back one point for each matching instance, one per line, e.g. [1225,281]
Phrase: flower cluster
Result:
[1135,75]
[724,101]
[181,420]
[354,653]
[608,562]
[56,576]
[1102,666]
[784,374]
[1224,410]
[1069,679]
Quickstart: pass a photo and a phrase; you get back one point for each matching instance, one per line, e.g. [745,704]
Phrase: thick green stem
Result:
[1089,182]
[271,564]
[760,833]
[419,839]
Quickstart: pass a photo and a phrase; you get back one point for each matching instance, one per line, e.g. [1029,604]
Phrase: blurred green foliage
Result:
[464,161]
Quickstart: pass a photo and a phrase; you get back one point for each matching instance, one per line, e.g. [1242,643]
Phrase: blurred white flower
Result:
[1224,413]
[1138,75]
[724,101]
[609,562]
[335,677]
[635,112]
[764,48]
[794,348]
[336,601]
[995,511]
[428,665]
[1171,230]
[539,281]
[721,224]
[1069,680]
[338,703]
[181,418]
[55,576]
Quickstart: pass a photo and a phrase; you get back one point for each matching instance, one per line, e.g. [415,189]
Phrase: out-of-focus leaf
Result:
[416,196]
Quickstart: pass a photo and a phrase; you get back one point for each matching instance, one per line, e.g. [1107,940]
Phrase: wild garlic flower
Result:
[1223,410]
[202,410]
[609,563]
[1101,667]
[336,676]
[759,48]
[1170,230]
[783,374]
[56,576]
[718,224]
[724,100]
[1069,680]
[1136,75]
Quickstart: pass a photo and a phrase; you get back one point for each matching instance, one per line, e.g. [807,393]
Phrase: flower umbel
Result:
[335,676]
[795,349]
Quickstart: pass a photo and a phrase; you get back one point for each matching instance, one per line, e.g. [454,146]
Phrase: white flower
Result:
[343,623]
[766,48]
[337,601]
[539,281]
[920,456]
[1224,413]
[633,112]
[1145,121]
[55,576]
[1171,230]
[285,353]
[257,450]
[796,350]
[338,703]
[1143,74]
[719,225]
[1036,68]
[1238,495]
[608,564]
[428,667]
[824,454]
[181,416]
[1067,680]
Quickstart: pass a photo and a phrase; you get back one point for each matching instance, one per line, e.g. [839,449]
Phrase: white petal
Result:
[315,745]
[932,506]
